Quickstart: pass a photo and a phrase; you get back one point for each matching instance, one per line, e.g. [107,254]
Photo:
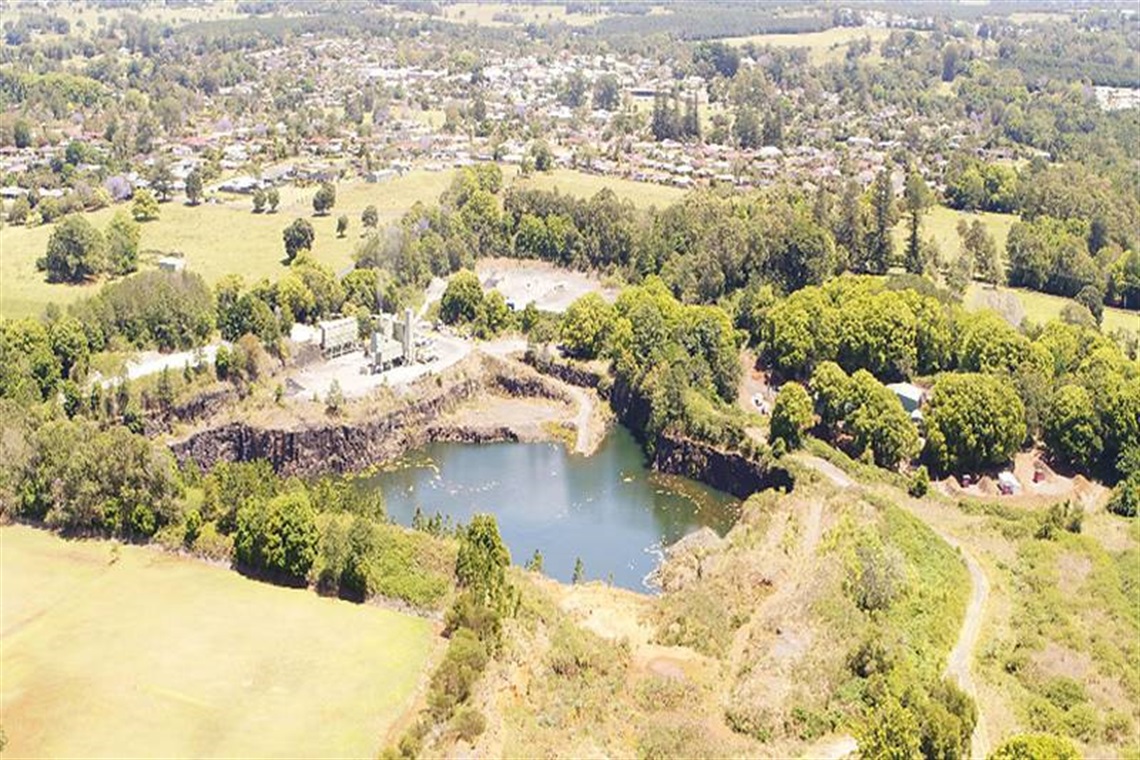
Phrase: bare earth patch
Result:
[551,288]
[1072,570]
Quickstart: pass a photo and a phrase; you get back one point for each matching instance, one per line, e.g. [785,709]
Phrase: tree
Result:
[272,199]
[22,134]
[791,415]
[298,237]
[461,299]
[1125,500]
[165,389]
[259,199]
[585,326]
[917,199]
[482,562]
[535,563]
[162,180]
[691,122]
[950,55]
[1072,428]
[973,421]
[746,128]
[324,199]
[334,400]
[278,536]
[75,251]
[717,57]
[830,389]
[579,574]
[662,123]
[881,247]
[543,158]
[493,315]
[30,370]
[122,237]
[341,225]
[981,251]
[144,208]
[607,92]
[850,230]
[194,187]
[69,344]
[369,218]
[879,423]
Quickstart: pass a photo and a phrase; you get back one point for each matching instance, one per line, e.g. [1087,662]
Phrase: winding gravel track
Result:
[958,665]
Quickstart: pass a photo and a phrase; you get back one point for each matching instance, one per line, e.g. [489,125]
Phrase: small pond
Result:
[609,508]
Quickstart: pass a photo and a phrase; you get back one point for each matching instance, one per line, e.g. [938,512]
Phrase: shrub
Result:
[453,680]
[213,545]
[1061,516]
[1125,499]
[920,483]
[1035,747]
[877,577]
[468,724]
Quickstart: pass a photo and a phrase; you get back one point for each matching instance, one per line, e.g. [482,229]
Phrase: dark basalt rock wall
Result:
[331,446]
[344,447]
[726,471]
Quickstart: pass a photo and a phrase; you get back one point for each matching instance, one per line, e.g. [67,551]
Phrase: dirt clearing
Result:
[551,288]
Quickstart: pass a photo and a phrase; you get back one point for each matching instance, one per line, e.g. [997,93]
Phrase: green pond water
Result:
[609,508]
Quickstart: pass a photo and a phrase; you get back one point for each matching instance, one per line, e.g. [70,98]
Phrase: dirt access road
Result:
[959,663]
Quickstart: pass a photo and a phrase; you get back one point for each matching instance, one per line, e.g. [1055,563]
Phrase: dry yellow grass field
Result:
[153,655]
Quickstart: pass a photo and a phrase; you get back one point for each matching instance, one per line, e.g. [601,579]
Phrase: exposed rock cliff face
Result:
[350,446]
[568,372]
[726,471]
[330,446]
[342,447]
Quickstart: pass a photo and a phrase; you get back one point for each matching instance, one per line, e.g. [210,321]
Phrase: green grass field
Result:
[218,239]
[941,223]
[823,47]
[160,656]
[1041,307]
[642,194]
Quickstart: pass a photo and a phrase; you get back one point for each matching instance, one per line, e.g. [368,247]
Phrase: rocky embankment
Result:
[354,444]
[728,471]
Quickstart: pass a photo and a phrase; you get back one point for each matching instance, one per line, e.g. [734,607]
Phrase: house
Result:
[911,396]
[244,184]
[172,263]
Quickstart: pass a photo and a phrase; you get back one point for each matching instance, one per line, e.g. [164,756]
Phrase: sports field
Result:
[217,238]
[139,653]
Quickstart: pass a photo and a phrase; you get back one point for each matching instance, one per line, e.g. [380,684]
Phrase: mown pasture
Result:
[126,651]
